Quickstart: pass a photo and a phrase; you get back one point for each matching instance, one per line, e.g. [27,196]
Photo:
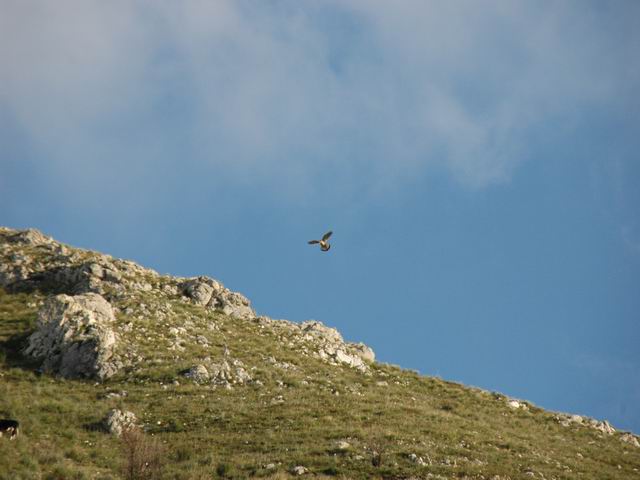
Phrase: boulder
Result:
[200,289]
[299,470]
[198,373]
[117,421]
[234,304]
[74,337]
[516,404]
[211,294]
[342,445]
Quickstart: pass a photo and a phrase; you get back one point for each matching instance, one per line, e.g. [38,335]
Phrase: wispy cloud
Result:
[616,193]
[283,92]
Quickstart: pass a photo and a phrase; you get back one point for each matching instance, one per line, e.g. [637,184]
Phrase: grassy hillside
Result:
[298,410]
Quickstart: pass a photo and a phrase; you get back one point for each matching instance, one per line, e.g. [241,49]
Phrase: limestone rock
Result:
[84,278]
[31,261]
[299,470]
[568,420]
[211,294]
[200,289]
[75,337]
[602,426]
[516,404]
[630,439]
[413,458]
[363,351]
[235,304]
[312,329]
[198,373]
[30,236]
[117,421]
[331,346]
[342,445]
[227,373]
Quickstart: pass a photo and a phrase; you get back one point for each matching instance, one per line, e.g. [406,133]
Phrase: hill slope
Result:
[221,392]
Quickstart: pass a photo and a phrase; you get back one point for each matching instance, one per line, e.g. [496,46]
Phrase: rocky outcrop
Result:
[29,236]
[33,261]
[316,339]
[74,337]
[604,427]
[630,439]
[83,278]
[330,346]
[213,295]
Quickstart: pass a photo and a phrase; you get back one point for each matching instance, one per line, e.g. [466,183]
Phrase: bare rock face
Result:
[211,294]
[32,261]
[117,421]
[83,278]
[75,337]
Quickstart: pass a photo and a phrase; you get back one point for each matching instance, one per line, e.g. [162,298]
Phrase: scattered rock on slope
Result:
[198,373]
[75,337]
[225,373]
[567,420]
[117,421]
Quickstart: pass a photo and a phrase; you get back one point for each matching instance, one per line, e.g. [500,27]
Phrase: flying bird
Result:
[324,244]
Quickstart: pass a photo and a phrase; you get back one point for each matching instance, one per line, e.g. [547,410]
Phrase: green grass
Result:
[208,432]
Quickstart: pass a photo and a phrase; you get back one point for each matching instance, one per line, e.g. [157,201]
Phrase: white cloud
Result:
[371,91]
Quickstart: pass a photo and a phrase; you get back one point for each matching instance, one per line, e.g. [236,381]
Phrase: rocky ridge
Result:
[98,314]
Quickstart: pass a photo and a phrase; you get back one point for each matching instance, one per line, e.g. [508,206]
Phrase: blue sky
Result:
[477,161]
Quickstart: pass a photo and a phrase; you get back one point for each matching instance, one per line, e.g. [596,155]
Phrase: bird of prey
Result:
[324,244]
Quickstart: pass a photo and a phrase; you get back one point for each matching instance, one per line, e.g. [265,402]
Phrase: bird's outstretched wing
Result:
[326,236]
[311,242]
